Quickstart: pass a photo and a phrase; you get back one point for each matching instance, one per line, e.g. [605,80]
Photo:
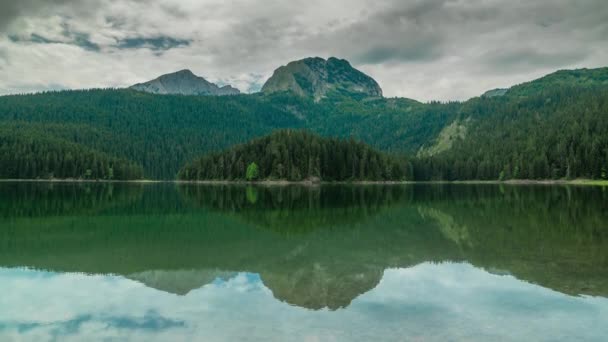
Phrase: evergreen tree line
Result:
[557,134]
[31,155]
[163,132]
[160,133]
[554,127]
[297,155]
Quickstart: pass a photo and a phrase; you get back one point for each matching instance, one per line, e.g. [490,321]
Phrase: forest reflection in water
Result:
[317,248]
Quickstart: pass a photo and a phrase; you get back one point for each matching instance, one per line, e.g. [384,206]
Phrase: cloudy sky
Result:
[422,49]
[428,302]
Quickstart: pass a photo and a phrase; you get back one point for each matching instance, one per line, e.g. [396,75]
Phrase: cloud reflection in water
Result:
[429,302]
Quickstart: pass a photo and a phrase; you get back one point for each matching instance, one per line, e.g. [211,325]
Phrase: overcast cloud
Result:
[422,49]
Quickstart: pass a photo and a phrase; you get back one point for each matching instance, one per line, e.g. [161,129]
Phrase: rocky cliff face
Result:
[495,92]
[184,83]
[318,78]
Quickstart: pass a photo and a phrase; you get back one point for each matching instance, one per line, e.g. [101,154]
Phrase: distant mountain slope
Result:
[553,133]
[317,78]
[160,133]
[583,78]
[184,83]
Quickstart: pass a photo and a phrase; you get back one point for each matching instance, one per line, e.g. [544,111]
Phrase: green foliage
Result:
[252,172]
[28,153]
[161,133]
[554,127]
[298,155]
[158,132]
[502,176]
[528,138]
[252,195]
[354,230]
[580,78]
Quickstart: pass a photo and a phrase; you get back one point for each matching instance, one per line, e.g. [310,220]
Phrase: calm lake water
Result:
[334,263]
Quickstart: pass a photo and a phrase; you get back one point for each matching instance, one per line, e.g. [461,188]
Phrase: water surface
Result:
[222,263]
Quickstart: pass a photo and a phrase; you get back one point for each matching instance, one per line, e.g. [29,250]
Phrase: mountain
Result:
[550,128]
[579,78]
[315,247]
[159,133]
[179,282]
[162,133]
[317,78]
[27,152]
[184,83]
[539,130]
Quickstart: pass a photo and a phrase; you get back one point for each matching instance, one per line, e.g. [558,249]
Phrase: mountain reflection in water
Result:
[420,260]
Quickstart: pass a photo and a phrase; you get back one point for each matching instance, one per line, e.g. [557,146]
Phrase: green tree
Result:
[252,172]
[252,195]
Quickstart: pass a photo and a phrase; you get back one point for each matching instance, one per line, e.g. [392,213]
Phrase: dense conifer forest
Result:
[163,132]
[296,156]
[159,133]
[559,133]
[555,127]
[26,153]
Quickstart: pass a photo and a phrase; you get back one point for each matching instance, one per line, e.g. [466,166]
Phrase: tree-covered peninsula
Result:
[296,155]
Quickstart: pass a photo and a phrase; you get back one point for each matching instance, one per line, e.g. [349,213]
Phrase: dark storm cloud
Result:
[444,49]
[155,43]
[83,40]
[394,35]
[174,10]
[530,58]
[79,39]
[3,58]
[428,30]
[11,10]
[398,32]
[381,54]
[33,38]
[252,37]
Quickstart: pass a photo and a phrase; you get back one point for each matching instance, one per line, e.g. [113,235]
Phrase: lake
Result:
[167,262]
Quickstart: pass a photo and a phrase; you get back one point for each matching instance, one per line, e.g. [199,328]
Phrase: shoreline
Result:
[586,182]
[83,181]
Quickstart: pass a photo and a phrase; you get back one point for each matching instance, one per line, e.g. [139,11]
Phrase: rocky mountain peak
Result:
[184,82]
[316,77]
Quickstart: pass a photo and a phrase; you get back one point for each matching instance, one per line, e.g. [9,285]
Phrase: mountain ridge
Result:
[551,128]
[317,78]
[183,82]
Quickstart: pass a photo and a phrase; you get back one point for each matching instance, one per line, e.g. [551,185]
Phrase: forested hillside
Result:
[559,133]
[160,133]
[553,127]
[298,155]
[28,153]
[163,132]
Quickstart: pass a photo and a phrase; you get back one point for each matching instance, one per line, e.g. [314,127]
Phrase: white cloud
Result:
[431,302]
[437,49]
